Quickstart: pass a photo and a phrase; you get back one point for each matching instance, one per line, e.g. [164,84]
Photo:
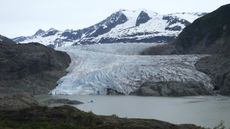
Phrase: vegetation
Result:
[208,34]
[67,117]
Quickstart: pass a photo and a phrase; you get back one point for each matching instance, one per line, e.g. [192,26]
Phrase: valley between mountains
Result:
[105,69]
[138,52]
[106,56]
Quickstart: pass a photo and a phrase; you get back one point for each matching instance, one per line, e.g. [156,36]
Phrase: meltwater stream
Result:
[206,111]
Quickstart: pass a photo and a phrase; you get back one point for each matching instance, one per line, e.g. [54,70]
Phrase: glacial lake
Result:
[206,111]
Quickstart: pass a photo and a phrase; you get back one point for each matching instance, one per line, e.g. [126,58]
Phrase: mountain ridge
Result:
[122,26]
[30,68]
[209,34]
[5,40]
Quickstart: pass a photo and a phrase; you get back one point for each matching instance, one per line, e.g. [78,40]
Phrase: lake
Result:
[206,111]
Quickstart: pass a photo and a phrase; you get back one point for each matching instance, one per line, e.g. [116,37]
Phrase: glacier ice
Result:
[95,68]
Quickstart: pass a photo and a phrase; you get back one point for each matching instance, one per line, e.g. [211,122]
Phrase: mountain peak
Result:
[39,32]
[189,16]
[69,30]
[5,40]
[142,18]
[135,13]
[52,29]
[139,25]
[50,32]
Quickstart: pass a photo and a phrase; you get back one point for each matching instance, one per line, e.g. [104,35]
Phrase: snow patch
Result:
[189,16]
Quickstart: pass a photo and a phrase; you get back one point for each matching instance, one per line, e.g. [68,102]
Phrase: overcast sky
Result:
[24,17]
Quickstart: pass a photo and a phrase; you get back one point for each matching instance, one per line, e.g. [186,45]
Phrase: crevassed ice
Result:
[95,68]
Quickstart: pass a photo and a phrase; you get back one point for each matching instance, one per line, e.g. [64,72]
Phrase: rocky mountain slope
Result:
[5,40]
[218,68]
[121,26]
[29,69]
[209,34]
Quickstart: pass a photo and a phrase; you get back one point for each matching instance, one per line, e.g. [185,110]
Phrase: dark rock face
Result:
[28,69]
[5,40]
[166,49]
[71,35]
[31,68]
[172,20]
[218,68]
[208,34]
[142,18]
[174,28]
[39,32]
[21,39]
[172,89]
[105,25]
[113,92]
[50,32]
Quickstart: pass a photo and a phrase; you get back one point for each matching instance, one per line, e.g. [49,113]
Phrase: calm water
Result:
[207,111]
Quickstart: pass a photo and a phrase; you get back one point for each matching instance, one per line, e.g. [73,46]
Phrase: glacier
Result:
[96,68]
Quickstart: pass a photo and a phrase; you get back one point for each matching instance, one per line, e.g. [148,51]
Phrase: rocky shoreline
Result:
[66,117]
[172,88]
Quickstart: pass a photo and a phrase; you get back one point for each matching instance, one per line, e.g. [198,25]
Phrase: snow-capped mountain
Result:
[121,26]
[189,16]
